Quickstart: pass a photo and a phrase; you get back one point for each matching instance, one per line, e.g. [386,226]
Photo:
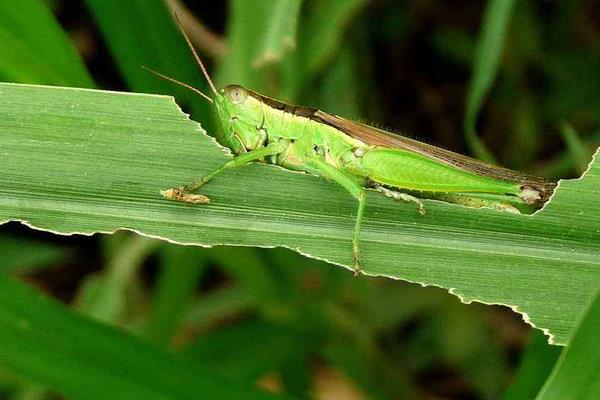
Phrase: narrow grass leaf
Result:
[537,362]
[35,49]
[250,270]
[322,34]
[279,26]
[576,373]
[101,159]
[341,78]
[180,268]
[253,42]
[85,360]
[485,67]
[246,350]
[578,150]
[24,255]
[319,38]
[143,33]
[104,297]
[218,305]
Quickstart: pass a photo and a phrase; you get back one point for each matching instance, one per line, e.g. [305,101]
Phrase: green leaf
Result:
[319,38]
[279,25]
[576,373]
[86,360]
[341,78]
[104,297]
[247,267]
[324,26]
[220,304]
[20,254]
[536,364]
[577,149]
[487,59]
[236,352]
[178,279]
[143,33]
[35,49]
[454,44]
[258,33]
[101,159]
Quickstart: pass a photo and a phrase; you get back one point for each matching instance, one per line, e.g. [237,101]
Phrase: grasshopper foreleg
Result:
[184,193]
[400,196]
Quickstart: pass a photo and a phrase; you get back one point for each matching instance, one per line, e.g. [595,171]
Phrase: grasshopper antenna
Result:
[198,60]
[185,85]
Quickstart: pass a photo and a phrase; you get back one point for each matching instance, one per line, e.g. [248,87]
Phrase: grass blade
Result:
[487,59]
[322,34]
[536,364]
[575,375]
[85,360]
[177,282]
[143,33]
[35,49]
[577,149]
[242,62]
[102,158]
[280,31]
[26,255]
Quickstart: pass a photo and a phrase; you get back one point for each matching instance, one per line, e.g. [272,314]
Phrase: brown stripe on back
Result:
[298,111]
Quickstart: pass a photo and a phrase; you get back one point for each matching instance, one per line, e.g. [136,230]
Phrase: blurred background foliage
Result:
[512,81]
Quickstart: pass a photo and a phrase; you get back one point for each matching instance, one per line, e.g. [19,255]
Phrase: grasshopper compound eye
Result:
[236,93]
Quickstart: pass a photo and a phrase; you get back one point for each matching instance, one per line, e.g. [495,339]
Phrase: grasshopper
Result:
[354,155]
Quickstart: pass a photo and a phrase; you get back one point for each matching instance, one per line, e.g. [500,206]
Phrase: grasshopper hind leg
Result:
[396,195]
[356,189]
[355,241]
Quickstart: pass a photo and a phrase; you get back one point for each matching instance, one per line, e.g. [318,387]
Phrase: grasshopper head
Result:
[239,113]
[240,117]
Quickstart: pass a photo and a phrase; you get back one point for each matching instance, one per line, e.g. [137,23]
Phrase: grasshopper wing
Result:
[378,137]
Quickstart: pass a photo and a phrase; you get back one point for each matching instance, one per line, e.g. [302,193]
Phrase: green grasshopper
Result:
[353,155]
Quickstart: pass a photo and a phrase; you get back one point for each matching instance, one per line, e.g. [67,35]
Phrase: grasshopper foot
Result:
[180,194]
[356,258]
[402,196]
